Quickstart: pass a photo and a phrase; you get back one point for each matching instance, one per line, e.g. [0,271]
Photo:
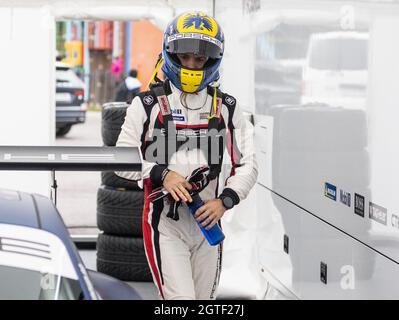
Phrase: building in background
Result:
[137,44]
[146,45]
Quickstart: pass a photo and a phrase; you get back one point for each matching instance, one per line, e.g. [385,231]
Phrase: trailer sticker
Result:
[323,272]
[330,191]
[395,221]
[345,197]
[378,213]
[359,205]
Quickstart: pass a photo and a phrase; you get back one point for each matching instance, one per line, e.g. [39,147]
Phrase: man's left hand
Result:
[211,211]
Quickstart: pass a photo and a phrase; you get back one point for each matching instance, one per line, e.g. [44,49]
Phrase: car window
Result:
[24,284]
[338,54]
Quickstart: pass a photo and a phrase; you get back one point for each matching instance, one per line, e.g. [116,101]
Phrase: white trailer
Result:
[327,211]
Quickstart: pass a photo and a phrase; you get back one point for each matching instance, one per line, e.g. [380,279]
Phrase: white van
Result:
[335,71]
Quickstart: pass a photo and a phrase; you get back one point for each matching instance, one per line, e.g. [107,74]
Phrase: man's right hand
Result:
[177,186]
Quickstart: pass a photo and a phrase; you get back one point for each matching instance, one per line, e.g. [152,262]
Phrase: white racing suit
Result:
[183,264]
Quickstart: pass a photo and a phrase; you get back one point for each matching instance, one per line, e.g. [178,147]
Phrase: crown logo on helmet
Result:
[199,22]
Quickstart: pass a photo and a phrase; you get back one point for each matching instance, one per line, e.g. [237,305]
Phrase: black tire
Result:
[110,179]
[123,258]
[120,212]
[113,117]
[63,130]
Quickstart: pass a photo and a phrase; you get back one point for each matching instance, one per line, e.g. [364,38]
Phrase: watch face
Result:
[228,202]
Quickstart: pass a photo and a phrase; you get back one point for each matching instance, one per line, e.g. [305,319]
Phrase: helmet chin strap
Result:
[155,72]
[214,102]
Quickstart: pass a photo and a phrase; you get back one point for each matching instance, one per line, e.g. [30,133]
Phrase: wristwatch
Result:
[228,202]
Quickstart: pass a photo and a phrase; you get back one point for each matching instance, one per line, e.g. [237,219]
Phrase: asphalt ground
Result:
[77,191]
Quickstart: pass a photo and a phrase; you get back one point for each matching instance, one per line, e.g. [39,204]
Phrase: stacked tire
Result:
[120,246]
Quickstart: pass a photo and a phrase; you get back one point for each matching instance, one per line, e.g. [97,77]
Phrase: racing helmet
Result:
[198,33]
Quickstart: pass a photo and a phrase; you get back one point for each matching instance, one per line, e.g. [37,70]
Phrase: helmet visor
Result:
[207,48]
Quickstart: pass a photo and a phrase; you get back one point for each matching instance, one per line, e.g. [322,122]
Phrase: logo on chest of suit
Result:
[193,132]
[202,132]
[176,111]
[164,105]
[177,115]
[230,100]
[204,115]
[148,100]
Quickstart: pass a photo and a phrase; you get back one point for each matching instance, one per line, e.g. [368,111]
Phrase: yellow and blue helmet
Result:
[198,33]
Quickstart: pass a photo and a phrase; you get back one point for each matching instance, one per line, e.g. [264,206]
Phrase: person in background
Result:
[117,68]
[128,88]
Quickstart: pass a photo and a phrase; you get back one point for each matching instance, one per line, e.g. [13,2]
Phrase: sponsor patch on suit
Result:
[179,118]
[204,115]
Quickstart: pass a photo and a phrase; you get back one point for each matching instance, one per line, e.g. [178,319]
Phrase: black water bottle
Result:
[214,235]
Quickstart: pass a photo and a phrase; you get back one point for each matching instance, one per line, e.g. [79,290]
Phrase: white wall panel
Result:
[28,86]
